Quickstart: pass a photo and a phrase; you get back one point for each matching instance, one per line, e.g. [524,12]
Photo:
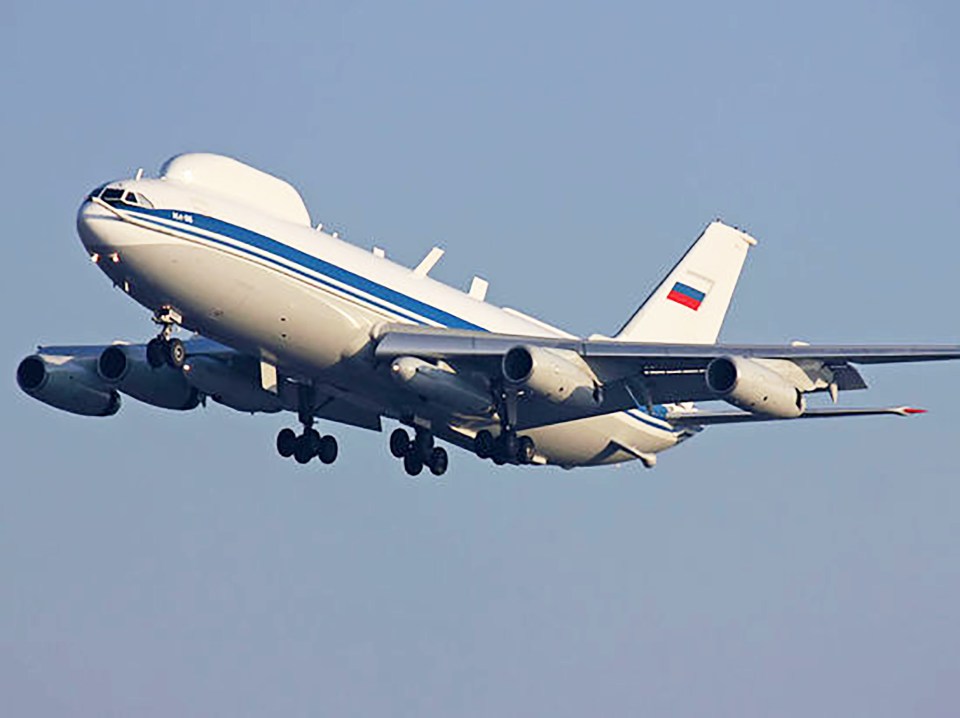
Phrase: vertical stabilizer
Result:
[690,304]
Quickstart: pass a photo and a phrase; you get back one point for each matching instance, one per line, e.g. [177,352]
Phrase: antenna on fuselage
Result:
[478,288]
[428,262]
[139,175]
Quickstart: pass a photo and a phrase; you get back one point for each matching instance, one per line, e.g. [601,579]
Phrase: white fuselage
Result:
[311,304]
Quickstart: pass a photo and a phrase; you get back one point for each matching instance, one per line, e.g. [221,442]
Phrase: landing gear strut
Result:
[310,443]
[164,349]
[418,452]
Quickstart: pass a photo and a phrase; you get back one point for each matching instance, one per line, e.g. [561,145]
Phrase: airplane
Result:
[286,316]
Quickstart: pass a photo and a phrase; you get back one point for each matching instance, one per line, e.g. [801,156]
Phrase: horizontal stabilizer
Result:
[709,418]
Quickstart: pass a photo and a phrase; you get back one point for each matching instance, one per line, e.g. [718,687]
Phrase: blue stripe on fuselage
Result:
[270,249]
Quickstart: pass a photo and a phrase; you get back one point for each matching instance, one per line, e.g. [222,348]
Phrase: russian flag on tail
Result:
[686,295]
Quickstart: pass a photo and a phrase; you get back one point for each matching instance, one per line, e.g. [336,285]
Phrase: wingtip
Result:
[910,411]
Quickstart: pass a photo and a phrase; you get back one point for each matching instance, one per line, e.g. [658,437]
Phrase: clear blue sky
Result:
[156,564]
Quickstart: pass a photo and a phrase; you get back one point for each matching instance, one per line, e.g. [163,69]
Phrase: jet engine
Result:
[754,387]
[557,375]
[68,383]
[127,369]
[441,385]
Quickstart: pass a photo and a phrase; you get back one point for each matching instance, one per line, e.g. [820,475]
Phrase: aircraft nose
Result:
[91,219]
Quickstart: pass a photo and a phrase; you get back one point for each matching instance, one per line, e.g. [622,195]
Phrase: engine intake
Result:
[751,386]
[557,375]
[31,374]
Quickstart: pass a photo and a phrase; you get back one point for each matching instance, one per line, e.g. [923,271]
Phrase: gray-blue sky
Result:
[159,564]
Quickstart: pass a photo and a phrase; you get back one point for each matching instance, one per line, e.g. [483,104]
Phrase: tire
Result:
[156,353]
[439,461]
[312,438]
[327,450]
[423,444]
[176,353]
[509,446]
[526,450]
[399,443]
[412,463]
[304,449]
[286,443]
[484,444]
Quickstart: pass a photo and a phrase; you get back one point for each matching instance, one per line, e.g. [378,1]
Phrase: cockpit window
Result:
[139,199]
[114,194]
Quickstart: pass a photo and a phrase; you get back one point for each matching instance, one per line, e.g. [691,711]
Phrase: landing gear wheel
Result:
[312,437]
[175,353]
[399,443]
[509,445]
[327,450]
[423,445]
[156,353]
[484,444]
[438,461]
[286,443]
[525,450]
[412,463]
[304,449]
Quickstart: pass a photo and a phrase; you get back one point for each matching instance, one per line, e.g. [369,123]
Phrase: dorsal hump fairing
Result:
[237,181]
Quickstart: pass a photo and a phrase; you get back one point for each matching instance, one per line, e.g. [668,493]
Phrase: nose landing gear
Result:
[419,452]
[164,349]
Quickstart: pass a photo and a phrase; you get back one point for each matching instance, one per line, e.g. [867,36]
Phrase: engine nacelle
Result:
[754,387]
[441,385]
[68,383]
[127,369]
[234,383]
[557,375]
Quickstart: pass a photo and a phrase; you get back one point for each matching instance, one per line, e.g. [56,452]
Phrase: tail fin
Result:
[689,305]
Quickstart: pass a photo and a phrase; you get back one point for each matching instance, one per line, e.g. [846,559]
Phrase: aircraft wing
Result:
[226,375]
[441,343]
[633,373]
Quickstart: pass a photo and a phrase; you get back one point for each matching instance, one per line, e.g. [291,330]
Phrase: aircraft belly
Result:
[599,440]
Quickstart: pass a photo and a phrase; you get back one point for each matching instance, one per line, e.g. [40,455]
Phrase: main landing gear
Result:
[507,447]
[307,445]
[310,443]
[164,349]
[419,452]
